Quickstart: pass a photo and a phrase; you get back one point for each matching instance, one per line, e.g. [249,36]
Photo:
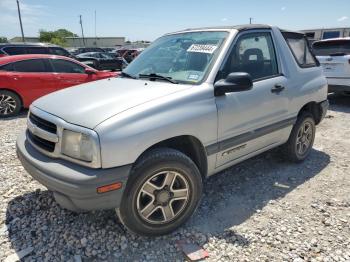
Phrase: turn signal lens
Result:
[111,187]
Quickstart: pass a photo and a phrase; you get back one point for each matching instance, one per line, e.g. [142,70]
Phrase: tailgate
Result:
[335,66]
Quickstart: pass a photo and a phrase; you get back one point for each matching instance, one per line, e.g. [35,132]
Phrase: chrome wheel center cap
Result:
[163,197]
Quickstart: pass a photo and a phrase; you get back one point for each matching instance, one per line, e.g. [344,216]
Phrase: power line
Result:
[20,21]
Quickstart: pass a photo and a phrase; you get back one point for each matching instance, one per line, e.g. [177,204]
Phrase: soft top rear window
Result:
[300,48]
[332,47]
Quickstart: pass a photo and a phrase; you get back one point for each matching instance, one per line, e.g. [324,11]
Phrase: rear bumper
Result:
[338,84]
[338,88]
[74,186]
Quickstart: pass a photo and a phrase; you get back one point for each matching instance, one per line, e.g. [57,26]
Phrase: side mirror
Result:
[89,71]
[234,82]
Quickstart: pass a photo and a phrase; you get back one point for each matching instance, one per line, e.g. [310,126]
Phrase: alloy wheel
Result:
[7,104]
[163,197]
[304,138]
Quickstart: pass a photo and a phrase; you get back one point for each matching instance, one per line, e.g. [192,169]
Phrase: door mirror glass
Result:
[234,82]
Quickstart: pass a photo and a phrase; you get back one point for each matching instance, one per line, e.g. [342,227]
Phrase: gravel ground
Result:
[264,209]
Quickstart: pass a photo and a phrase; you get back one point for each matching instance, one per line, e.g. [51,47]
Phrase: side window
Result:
[37,50]
[253,53]
[63,66]
[58,51]
[300,49]
[8,67]
[14,50]
[30,66]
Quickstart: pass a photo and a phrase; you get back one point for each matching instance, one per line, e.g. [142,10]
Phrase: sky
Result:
[149,19]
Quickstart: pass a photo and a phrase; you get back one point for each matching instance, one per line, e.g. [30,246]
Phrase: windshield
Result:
[331,47]
[184,57]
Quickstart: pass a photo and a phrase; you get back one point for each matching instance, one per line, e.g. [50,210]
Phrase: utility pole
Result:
[82,31]
[20,20]
[250,20]
[95,25]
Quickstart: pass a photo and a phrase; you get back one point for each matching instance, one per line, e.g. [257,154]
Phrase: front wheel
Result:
[10,104]
[163,191]
[301,139]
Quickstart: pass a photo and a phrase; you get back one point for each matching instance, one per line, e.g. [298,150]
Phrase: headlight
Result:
[77,145]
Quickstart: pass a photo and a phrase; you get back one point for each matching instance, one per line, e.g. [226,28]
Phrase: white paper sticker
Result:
[193,77]
[208,49]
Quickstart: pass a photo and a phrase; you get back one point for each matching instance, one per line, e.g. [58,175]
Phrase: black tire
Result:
[290,149]
[150,165]
[10,104]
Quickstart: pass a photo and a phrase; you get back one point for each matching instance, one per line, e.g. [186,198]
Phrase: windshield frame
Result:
[212,62]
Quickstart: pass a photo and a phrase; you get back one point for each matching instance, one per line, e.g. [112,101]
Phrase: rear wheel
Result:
[301,139]
[10,104]
[162,193]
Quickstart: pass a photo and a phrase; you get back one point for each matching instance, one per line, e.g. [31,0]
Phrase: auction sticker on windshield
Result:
[208,49]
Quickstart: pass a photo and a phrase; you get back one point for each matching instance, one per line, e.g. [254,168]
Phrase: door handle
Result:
[277,88]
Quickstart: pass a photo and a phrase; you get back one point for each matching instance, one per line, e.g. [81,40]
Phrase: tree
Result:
[57,37]
[3,39]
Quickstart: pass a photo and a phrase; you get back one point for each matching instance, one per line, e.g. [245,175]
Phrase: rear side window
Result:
[63,66]
[300,49]
[8,67]
[37,50]
[58,51]
[15,50]
[30,66]
[329,47]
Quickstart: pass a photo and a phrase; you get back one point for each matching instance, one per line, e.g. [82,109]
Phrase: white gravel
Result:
[264,209]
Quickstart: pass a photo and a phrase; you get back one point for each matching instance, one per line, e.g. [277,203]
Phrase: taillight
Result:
[2,55]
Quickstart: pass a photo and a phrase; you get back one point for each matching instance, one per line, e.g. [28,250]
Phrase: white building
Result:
[95,41]
[79,42]
[326,33]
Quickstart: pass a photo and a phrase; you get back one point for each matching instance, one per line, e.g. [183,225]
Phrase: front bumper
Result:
[74,186]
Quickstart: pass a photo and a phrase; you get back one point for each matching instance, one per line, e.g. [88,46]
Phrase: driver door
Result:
[252,121]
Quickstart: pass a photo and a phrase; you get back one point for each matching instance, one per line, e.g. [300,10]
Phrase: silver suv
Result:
[192,104]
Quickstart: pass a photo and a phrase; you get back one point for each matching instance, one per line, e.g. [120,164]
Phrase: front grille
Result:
[43,124]
[42,143]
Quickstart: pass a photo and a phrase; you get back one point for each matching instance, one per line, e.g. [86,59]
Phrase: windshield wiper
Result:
[127,75]
[154,76]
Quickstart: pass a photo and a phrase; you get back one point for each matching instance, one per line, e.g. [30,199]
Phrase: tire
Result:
[300,143]
[151,208]
[10,104]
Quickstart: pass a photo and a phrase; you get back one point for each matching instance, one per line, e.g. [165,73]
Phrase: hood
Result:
[90,104]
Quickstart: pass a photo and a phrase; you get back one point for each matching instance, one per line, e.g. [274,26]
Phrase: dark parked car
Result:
[24,78]
[102,61]
[82,50]
[32,48]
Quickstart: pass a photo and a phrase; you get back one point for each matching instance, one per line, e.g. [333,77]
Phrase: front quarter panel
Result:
[127,135]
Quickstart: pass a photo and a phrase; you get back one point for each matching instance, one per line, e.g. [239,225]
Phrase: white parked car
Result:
[334,56]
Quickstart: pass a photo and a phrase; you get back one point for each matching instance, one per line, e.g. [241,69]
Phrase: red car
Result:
[24,78]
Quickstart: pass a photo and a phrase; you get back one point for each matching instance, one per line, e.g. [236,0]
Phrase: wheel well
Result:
[191,147]
[10,90]
[314,109]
